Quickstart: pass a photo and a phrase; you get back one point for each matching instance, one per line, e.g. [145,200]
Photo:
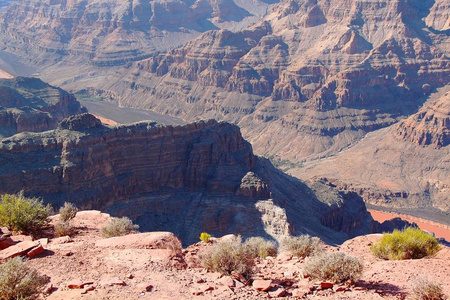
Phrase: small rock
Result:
[130,276]
[62,240]
[326,285]
[144,287]
[359,288]
[200,280]
[35,251]
[340,289]
[43,242]
[77,284]
[284,256]
[277,292]
[299,293]
[262,285]
[240,278]
[68,253]
[47,289]
[209,288]
[112,281]
[18,249]
[226,281]
[238,284]
[88,289]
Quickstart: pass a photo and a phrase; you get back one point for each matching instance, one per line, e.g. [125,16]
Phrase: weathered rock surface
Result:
[28,104]
[403,166]
[201,177]
[109,33]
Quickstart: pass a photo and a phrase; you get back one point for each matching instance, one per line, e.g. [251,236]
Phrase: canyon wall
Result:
[186,179]
[29,104]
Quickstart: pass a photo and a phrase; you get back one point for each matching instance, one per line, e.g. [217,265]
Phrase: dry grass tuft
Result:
[229,256]
[18,281]
[67,212]
[302,246]
[427,290]
[335,266]
[119,227]
[261,247]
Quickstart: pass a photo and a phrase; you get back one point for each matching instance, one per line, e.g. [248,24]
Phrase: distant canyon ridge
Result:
[353,91]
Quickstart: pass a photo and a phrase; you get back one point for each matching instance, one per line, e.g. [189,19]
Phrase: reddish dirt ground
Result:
[440,230]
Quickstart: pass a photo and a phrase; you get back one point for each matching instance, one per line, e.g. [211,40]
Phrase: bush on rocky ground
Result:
[302,246]
[261,247]
[20,213]
[334,266]
[67,212]
[229,256]
[18,281]
[427,290]
[119,227]
[409,243]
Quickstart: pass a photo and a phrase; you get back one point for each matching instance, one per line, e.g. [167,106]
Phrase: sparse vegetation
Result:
[229,256]
[427,290]
[261,247]
[18,281]
[205,237]
[409,243]
[67,212]
[119,227]
[64,228]
[334,266]
[24,214]
[302,246]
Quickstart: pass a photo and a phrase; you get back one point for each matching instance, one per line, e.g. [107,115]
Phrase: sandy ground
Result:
[440,230]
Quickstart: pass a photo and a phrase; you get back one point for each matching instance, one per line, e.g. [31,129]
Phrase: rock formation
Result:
[28,104]
[403,166]
[318,74]
[189,179]
[111,33]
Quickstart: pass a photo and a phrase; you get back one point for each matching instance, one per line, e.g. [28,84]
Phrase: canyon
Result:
[186,179]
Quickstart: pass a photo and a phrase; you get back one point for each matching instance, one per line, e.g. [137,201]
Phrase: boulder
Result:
[19,249]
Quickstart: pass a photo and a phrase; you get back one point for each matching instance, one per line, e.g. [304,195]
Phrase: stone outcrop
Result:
[429,126]
[201,177]
[28,104]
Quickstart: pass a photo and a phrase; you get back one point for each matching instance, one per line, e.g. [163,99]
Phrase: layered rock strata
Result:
[28,104]
[189,179]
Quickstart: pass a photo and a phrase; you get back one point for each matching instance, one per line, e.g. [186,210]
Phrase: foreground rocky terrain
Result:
[305,80]
[154,266]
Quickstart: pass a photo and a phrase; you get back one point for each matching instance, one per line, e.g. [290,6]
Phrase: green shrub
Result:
[205,237]
[409,243]
[261,247]
[64,228]
[302,246]
[19,213]
[119,227]
[229,256]
[427,290]
[67,212]
[334,266]
[18,281]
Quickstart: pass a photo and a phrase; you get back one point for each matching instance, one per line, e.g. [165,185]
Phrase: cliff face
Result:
[28,104]
[189,179]
[405,166]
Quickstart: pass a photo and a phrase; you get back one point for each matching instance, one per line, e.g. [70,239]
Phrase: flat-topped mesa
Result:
[429,126]
[200,177]
[29,104]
